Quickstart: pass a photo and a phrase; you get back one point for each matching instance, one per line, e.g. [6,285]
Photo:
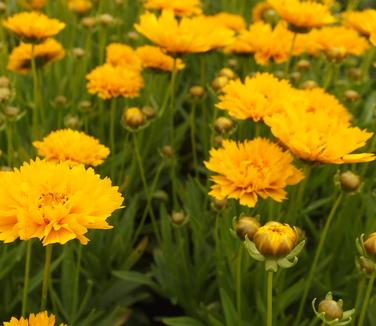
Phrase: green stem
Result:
[359,295]
[367,62]
[76,282]
[269,317]
[112,134]
[35,123]
[46,277]
[172,102]
[316,259]
[362,316]
[193,138]
[10,147]
[26,278]
[287,65]
[239,283]
[329,75]
[352,5]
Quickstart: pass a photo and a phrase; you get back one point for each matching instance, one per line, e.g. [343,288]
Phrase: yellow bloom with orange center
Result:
[39,319]
[55,202]
[319,137]
[362,21]
[20,59]
[179,7]
[153,57]
[109,81]
[251,169]
[33,4]
[256,98]
[118,54]
[72,147]
[231,21]
[33,26]
[303,14]
[80,6]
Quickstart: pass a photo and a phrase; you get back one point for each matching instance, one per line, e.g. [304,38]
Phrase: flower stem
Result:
[193,140]
[10,147]
[76,282]
[239,283]
[26,277]
[269,317]
[46,276]
[35,123]
[329,75]
[112,134]
[316,259]
[287,65]
[366,299]
[366,64]
[172,102]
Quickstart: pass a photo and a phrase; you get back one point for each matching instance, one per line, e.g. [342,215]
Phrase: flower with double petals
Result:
[73,147]
[55,202]
[33,26]
[118,54]
[179,7]
[39,319]
[362,21]
[251,169]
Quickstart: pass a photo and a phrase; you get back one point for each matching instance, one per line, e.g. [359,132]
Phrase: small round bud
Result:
[331,308]
[351,95]
[167,151]
[219,82]
[335,54]
[133,36]
[223,125]
[4,94]
[349,181]
[219,204]
[78,53]
[370,245]
[218,141]
[119,2]
[160,195]
[178,218]
[247,226]
[84,105]
[196,92]
[106,19]
[72,121]
[270,16]
[232,63]
[275,239]
[60,100]
[5,168]
[309,84]
[4,82]
[88,22]
[149,112]
[354,73]
[133,117]
[303,65]
[227,72]
[279,74]
[3,7]
[295,76]
[11,111]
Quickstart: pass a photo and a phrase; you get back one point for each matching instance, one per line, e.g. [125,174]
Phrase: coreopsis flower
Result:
[80,6]
[362,21]
[259,10]
[55,202]
[33,26]
[256,98]
[39,319]
[118,54]
[231,21]
[252,169]
[20,59]
[73,147]
[108,81]
[303,14]
[179,7]
[318,137]
[153,57]
[33,4]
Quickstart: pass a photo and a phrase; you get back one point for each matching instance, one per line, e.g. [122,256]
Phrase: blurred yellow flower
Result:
[231,21]
[303,14]
[80,6]
[251,169]
[39,319]
[118,54]
[32,4]
[154,57]
[256,98]
[55,202]
[73,147]
[179,7]
[20,58]
[33,26]
[362,21]
[109,81]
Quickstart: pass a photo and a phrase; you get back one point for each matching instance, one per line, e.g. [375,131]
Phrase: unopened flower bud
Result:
[88,22]
[119,2]
[279,74]
[167,151]
[84,105]
[78,53]
[309,84]
[196,92]
[160,195]
[232,63]
[178,218]
[218,141]
[4,82]
[219,82]
[351,95]
[133,36]
[335,54]
[219,203]
[349,181]
[11,111]
[303,65]
[332,309]
[354,73]
[270,16]
[106,19]
[3,7]
[72,121]
[60,100]
[149,112]
[370,245]
[4,94]
[223,125]
[227,72]
[247,226]
[295,76]
[133,117]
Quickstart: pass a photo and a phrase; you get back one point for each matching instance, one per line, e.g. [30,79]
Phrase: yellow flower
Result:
[108,81]
[118,54]
[179,7]
[275,239]
[259,10]
[362,21]
[251,169]
[33,26]
[55,202]
[73,147]
[231,21]
[256,98]
[303,14]
[319,137]
[373,36]
[33,4]
[155,58]
[39,319]
[80,6]
[21,57]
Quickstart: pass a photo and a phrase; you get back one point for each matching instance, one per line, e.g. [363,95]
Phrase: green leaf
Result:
[182,321]
[134,277]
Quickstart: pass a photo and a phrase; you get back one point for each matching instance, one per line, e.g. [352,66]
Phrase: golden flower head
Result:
[108,82]
[251,169]
[33,4]
[39,319]
[303,14]
[179,7]
[153,57]
[55,202]
[275,239]
[80,6]
[20,59]
[73,147]
[362,21]
[254,99]
[370,245]
[33,26]
[118,54]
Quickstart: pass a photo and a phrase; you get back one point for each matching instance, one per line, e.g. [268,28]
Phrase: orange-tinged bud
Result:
[309,84]
[133,117]
[247,226]
[219,82]
[349,181]
[88,22]
[332,309]
[370,244]
[303,65]
[351,95]
[196,92]
[227,72]
[223,125]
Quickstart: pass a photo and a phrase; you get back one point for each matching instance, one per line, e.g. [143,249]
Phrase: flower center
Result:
[52,199]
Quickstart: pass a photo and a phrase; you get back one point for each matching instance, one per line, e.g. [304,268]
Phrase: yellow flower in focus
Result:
[154,57]
[318,137]
[275,239]
[362,21]
[251,169]
[32,4]
[118,54]
[259,10]
[80,6]
[33,26]
[108,81]
[231,21]
[55,202]
[179,7]
[303,14]
[39,319]
[44,53]
[256,98]
[73,147]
